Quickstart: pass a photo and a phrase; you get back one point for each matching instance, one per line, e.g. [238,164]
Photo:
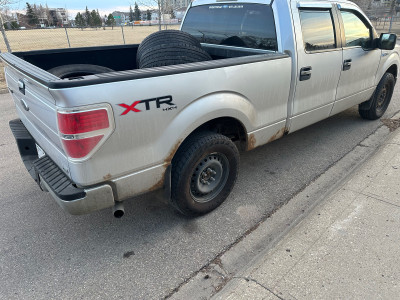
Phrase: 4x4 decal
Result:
[165,101]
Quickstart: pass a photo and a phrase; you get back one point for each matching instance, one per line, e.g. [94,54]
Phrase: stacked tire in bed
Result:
[169,47]
[162,48]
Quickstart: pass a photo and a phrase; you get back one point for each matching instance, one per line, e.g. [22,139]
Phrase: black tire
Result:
[75,70]
[234,41]
[172,54]
[165,37]
[380,99]
[204,171]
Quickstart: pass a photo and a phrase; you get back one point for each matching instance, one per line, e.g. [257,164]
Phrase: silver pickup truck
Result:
[94,141]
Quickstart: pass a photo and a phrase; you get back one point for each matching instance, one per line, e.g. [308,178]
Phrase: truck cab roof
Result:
[204,2]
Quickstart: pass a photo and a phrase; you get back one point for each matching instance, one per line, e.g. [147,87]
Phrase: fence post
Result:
[123,35]
[392,10]
[391,23]
[3,32]
[66,32]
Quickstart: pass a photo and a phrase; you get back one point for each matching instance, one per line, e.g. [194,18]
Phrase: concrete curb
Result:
[347,247]
[267,234]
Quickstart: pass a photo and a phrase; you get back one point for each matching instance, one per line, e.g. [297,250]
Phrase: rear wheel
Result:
[204,171]
[380,100]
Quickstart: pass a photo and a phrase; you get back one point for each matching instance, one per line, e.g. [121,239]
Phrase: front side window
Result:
[355,31]
[317,29]
[240,24]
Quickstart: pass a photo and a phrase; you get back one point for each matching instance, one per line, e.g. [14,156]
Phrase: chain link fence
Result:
[384,19]
[386,24]
[56,38]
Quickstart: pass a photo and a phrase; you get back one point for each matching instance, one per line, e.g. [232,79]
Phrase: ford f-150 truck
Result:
[94,141]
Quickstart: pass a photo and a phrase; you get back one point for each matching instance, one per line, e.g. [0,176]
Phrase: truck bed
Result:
[122,59]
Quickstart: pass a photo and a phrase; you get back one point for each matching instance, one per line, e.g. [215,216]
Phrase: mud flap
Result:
[167,183]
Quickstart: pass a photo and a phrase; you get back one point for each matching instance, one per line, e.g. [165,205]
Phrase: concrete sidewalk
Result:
[347,248]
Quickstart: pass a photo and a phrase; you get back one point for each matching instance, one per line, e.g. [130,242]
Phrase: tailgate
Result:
[35,105]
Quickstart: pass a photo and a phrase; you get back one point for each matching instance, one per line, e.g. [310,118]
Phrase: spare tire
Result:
[74,70]
[172,54]
[165,37]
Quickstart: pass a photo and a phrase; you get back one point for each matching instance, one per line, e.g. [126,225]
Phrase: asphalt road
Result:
[47,253]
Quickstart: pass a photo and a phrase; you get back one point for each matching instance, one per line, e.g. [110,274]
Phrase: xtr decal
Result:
[137,106]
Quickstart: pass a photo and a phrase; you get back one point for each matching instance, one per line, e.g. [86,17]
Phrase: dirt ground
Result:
[39,39]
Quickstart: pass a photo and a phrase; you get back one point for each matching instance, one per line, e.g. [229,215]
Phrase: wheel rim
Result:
[209,177]
[382,96]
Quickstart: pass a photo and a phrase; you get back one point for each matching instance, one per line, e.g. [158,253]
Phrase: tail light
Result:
[82,132]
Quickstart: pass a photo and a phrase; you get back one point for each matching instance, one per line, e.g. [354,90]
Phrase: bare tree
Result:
[155,4]
[3,7]
[4,3]
[363,4]
[163,7]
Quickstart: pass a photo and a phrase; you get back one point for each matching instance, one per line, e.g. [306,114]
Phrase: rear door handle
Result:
[347,64]
[21,86]
[305,73]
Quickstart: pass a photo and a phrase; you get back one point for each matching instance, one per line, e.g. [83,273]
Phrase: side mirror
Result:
[387,41]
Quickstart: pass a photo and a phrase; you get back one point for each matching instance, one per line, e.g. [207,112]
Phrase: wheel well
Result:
[229,127]
[393,70]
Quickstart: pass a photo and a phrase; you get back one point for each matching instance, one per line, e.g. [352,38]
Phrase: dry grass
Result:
[39,39]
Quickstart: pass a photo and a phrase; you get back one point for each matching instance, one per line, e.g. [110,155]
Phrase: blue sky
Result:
[74,6]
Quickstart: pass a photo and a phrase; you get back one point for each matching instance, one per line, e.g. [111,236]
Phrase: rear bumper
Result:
[95,198]
[46,173]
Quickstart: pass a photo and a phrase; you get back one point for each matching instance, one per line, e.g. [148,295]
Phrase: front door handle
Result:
[305,73]
[347,64]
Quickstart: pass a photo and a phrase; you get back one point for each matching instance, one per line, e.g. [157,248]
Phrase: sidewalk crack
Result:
[263,286]
[376,197]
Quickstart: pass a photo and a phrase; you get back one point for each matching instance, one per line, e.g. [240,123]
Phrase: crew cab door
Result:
[319,62]
[360,59]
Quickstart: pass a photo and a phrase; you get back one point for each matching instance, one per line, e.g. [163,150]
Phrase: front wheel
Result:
[204,171]
[380,100]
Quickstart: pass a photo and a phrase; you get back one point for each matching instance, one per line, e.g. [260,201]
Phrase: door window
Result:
[357,33]
[317,29]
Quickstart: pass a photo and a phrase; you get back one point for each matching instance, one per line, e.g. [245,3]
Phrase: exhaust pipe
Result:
[118,210]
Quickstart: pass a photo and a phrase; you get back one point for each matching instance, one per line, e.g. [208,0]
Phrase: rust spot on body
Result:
[107,177]
[171,154]
[251,142]
[167,162]
[277,135]
[158,185]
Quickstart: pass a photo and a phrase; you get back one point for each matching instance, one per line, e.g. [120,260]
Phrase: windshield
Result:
[239,24]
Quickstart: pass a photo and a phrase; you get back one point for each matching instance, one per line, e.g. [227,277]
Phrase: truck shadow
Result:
[151,234]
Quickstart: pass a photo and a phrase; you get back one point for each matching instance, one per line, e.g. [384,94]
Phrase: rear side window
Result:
[241,25]
[355,31]
[317,29]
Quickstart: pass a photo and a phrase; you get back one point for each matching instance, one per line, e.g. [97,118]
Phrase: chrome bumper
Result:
[95,199]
